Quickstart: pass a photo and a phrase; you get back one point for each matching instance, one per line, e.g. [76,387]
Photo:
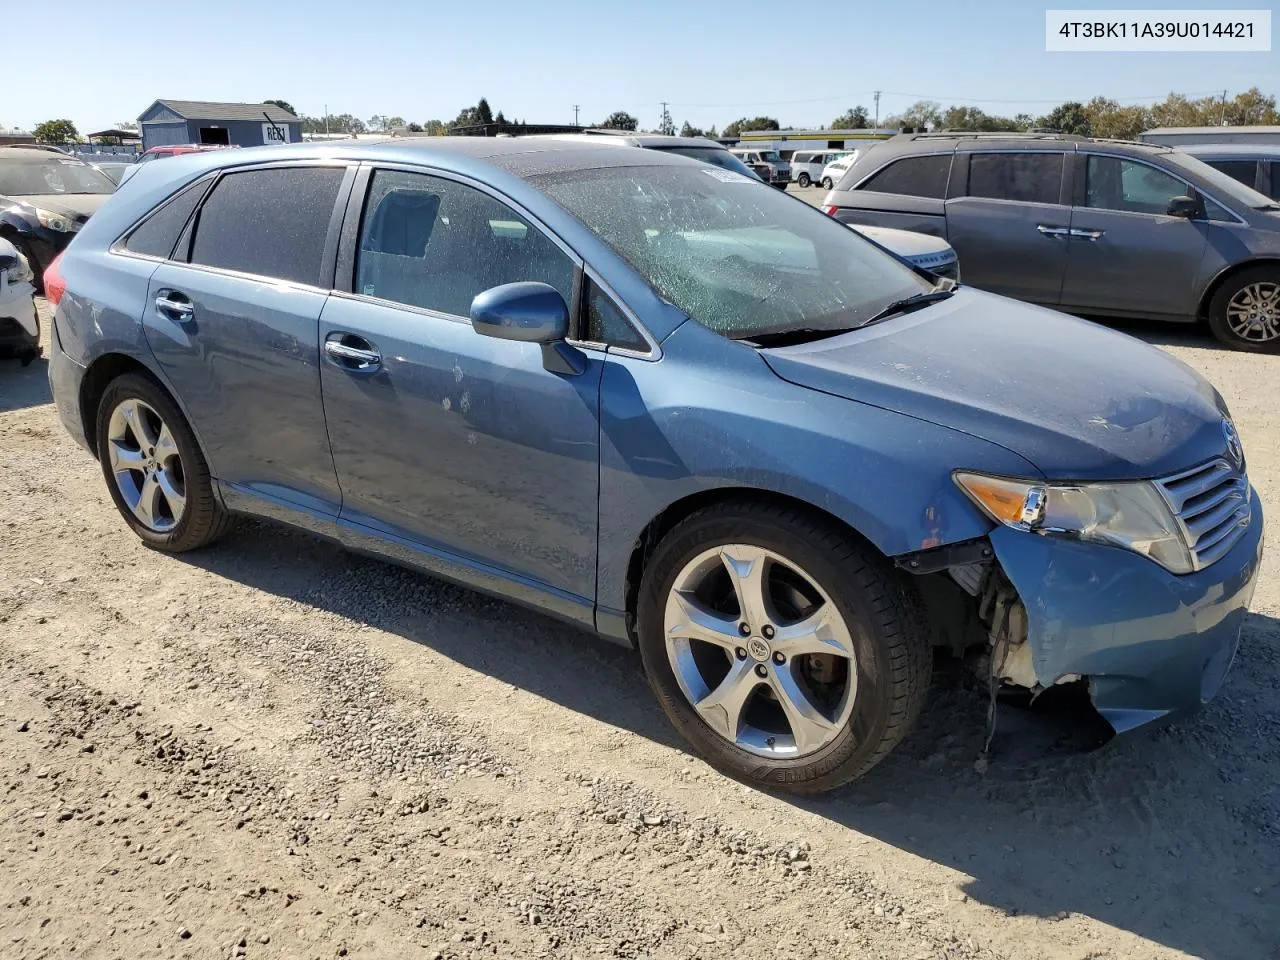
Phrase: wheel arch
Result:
[1225,274]
[679,510]
[97,377]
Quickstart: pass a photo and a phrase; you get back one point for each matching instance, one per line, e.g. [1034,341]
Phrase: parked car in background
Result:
[779,171]
[44,199]
[1087,226]
[19,323]
[918,249]
[113,169]
[807,165]
[1256,165]
[170,150]
[644,395]
[834,171]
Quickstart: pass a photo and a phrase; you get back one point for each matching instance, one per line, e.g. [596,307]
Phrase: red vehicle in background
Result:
[170,150]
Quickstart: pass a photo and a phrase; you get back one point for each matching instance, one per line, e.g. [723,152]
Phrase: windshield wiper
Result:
[908,303]
[789,338]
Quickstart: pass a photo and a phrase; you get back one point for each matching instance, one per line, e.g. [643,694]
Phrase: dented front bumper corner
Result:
[1150,643]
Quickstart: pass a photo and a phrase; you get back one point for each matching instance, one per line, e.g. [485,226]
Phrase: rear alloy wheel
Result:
[784,650]
[803,180]
[827,184]
[154,469]
[1245,312]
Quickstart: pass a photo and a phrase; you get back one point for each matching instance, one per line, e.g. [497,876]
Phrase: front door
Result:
[463,445]
[1127,253]
[1009,225]
[235,330]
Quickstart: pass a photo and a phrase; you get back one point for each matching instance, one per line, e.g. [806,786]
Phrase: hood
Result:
[1077,400]
[905,243]
[77,206]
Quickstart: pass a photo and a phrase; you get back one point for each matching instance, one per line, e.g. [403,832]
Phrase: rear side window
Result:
[1025,177]
[271,223]
[1274,184]
[912,176]
[159,232]
[1246,171]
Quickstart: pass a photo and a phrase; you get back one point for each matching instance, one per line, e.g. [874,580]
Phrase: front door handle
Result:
[1054,233]
[1089,235]
[174,305]
[351,352]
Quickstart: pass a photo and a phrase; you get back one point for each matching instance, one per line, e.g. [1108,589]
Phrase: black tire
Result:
[1219,322]
[204,519]
[881,609]
[827,184]
[803,180]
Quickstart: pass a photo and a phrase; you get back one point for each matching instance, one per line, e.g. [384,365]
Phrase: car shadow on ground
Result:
[1163,333]
[22,387]
[1170,834]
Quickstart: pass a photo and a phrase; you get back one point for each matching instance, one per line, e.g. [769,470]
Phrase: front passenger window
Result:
[430,242]
[1115,184]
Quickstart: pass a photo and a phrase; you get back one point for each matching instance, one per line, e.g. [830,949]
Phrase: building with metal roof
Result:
[168,122]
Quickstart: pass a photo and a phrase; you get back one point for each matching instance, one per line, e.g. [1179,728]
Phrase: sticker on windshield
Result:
[727,176]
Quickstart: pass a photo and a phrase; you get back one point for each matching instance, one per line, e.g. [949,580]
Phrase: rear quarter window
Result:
[924,176]
[1025,177]
[156,236]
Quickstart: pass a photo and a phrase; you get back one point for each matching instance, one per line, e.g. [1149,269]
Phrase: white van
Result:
[807,165]
[834,170]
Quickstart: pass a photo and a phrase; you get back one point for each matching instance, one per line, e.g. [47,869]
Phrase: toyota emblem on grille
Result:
[1234,450]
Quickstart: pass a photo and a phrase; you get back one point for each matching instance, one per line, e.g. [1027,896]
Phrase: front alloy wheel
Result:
[785,649]
[760,651]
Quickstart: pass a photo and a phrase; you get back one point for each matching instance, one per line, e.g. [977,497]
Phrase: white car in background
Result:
[918,249]
[807,165]
[19,324]
[834,170]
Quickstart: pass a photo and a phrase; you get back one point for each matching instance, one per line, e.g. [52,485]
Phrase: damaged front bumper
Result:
[1150,643]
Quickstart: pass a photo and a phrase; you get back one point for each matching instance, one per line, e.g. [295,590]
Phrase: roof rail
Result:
[988,135]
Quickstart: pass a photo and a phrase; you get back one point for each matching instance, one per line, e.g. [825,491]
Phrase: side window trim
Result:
[326,265]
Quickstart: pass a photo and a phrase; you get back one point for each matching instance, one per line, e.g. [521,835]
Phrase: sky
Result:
[713,62]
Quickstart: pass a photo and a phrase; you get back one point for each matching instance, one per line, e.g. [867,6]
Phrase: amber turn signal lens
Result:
[1005,501]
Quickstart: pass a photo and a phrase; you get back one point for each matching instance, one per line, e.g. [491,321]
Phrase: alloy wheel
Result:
[760,651]
[1253,314]
[146,465]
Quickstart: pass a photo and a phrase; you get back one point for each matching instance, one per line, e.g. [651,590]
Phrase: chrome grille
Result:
[1212,505]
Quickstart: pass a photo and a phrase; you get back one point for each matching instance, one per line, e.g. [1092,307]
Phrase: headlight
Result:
[57,222]
[1132,515]
[20,272]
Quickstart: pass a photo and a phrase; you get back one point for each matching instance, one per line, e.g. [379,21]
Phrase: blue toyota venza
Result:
[668,404]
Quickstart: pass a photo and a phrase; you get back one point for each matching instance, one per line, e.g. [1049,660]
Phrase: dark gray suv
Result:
[1088,226]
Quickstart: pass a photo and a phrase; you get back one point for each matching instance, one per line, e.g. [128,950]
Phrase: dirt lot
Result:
[275,749]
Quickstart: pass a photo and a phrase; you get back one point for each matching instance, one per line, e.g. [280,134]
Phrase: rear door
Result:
[1008,219]
[232,318]
[1127,254]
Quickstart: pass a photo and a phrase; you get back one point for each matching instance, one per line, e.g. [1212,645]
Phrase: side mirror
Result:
[529,312]
[1187,207]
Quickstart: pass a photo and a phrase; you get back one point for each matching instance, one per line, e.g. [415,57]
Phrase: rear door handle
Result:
[1052,232]
[1086,234]
[351,352]
[174,305]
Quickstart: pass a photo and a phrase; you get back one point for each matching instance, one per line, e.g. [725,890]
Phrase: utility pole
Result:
[664,114]
[575,114]
[877,108]
[326,120]
[1222,121]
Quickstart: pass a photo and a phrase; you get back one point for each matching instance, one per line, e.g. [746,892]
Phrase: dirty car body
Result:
[682,350]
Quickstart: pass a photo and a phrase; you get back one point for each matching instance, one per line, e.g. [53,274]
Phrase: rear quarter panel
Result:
[869,207]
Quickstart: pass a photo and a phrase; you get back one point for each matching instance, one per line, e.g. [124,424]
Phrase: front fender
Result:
[712,415]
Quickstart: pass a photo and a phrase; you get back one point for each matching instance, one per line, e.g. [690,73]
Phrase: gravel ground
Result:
[276,749]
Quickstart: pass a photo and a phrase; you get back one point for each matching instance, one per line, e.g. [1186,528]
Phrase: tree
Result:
[435,128]
[738,127]
[855,118]
[711,133]
[620,120]
[377,123]
[1110,120]
[666,125]
[56,131]
[483,111]
[394,123]
[499,118]
[283,105]
[689,130]
[415,127]
[1069,117]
